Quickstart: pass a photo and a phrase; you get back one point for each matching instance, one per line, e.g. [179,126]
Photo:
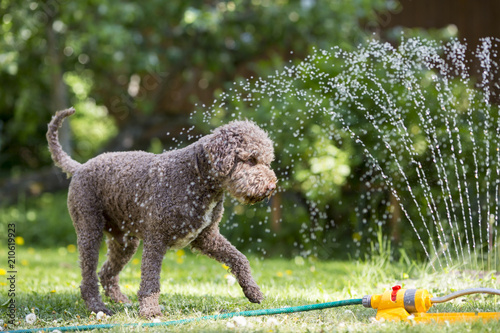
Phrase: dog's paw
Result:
[254,294]
[148,305]
[150,312]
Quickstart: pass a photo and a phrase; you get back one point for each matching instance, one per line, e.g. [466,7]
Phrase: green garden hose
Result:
[251,313]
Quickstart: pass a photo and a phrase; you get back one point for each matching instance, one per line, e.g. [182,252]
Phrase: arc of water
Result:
[389,183]
[396,119]
[343,89]
[484,56]
[430,131]
[422,178]
[444,71]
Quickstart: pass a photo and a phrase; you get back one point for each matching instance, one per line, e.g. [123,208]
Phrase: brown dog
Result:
[168,200]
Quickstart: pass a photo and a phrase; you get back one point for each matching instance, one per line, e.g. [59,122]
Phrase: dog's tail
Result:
[60,158]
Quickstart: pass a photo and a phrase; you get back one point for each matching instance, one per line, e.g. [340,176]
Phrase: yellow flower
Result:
[24,262]
[279,274]
[136,261]
[3,284]
[71,248]
[179,260]
[225,267]
[31,250]
[53,291]
[288,272]
[3,271]
[180,253]
[19,240]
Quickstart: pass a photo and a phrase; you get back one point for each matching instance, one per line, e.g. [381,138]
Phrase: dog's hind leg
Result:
[89,224]
[120,250]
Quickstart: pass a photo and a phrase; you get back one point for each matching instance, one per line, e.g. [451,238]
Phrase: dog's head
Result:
[241,153]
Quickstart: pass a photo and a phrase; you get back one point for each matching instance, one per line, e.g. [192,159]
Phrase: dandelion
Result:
[288,272]
[279,274]
[71,248]
[136,261]
[225,267]
[31,318]
[100,315]
[3,271]
[24,262]
[19,240]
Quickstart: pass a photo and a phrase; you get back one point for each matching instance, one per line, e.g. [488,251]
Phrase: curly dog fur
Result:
[168,200]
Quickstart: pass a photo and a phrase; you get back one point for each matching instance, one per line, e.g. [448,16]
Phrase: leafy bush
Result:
[42,221]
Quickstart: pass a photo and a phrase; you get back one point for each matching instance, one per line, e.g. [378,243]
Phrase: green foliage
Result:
[329,168]
[91,126]
[43,221]
[139,59]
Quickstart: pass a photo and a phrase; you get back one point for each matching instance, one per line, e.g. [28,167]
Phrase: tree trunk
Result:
[59,91]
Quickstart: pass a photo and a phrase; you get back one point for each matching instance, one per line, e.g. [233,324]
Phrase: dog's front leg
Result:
[149,291]
[211,243]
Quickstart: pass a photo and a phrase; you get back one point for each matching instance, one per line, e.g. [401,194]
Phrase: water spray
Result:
[396,304]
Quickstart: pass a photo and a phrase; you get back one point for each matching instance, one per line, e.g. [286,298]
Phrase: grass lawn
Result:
[192,286]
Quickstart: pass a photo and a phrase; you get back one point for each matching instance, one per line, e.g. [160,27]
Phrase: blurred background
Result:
[135,71]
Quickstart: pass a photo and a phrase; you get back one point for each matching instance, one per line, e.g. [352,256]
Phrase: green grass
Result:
[193,286]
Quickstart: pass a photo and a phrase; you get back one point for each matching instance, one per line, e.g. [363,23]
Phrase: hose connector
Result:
[367,301]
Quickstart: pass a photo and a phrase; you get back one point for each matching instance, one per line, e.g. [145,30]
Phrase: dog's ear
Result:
[221,147]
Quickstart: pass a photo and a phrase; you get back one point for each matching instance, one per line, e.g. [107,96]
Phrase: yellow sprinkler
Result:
[412,305]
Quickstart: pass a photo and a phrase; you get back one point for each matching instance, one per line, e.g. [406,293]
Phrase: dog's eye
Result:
[252,161]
